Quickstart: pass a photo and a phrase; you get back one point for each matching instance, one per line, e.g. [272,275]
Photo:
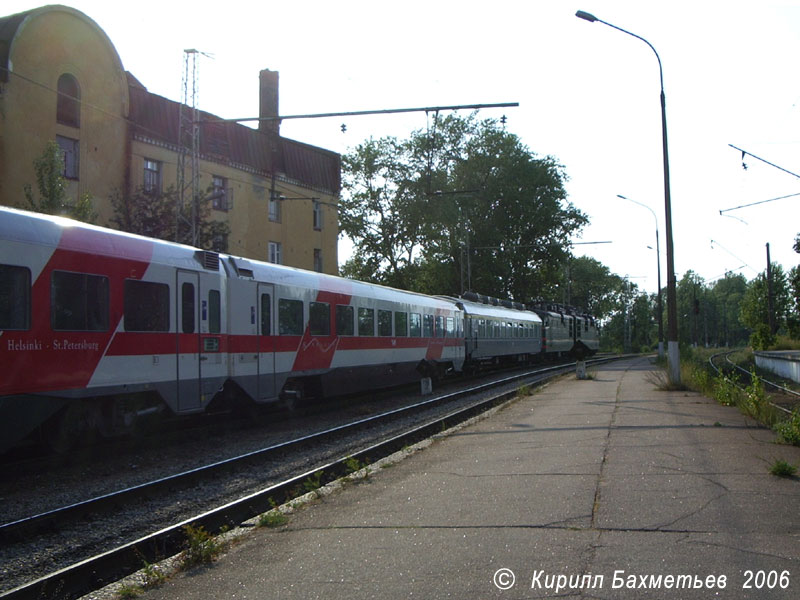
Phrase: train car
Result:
[498,332]
[99,328]
[298,333]
[567,332]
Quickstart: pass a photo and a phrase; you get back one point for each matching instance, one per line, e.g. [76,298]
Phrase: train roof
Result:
[61,232]
[491,311]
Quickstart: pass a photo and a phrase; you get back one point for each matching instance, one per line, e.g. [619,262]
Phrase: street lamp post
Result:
[673,352]
[658,271]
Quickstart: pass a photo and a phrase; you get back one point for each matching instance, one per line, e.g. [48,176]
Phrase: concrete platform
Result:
[563,489]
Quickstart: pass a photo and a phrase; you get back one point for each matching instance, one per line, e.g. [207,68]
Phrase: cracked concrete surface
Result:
[584,478]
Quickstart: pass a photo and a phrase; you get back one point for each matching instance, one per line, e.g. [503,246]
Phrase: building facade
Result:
[62,80]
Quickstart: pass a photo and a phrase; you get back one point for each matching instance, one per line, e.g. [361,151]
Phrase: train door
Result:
[188,341]
[266,345]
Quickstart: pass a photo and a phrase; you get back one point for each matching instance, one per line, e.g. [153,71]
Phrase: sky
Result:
[588,94]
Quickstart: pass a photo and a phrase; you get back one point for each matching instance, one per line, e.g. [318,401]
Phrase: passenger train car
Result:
[99,328]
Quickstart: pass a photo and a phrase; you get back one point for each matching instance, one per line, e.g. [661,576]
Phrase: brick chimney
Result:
[268,101]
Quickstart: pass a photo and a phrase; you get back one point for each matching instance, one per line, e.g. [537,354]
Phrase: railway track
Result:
[743,374]
[114,560]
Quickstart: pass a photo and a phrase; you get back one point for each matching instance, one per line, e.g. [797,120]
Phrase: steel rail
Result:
[95,572]
[748,374]
[106,502]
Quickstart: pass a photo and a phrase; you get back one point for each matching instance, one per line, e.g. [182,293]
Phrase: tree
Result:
[726,298]
[466,201]
[52,188]
[754,307]
[153,214]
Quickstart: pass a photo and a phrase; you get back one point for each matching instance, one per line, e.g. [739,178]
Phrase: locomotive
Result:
[100,328]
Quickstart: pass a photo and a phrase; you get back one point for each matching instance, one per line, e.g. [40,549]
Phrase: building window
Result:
[275,208]
[220,193]
[318,260]
[275,252]
[317,215]
[152,176]
[68,109]
[70,153]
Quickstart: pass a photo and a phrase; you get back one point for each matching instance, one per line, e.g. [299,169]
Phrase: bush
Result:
[789,430]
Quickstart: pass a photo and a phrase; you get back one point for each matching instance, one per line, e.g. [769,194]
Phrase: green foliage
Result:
[272,518]
[762,338]
[789,429]
[352,464]
[313,482]
[153,576]
[754,310]
[154,215]
[462,200]
[52,188]
[201,547]
[755,399]
[781,468]
[126,592]
[726,391]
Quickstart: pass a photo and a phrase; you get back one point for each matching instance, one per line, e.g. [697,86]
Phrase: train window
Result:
[366,321]
[401,324]
[415,323]
[345,316]
[146,306]
[266,314]
[451,327]
[79,302]
[214,312]
[439,331]
[319,318]
[187,308]
[290,317]
[385,323]
[15,297]
[427,325]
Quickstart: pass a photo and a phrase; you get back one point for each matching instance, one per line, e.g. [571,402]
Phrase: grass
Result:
[781,468]
[273,518]
[725,389]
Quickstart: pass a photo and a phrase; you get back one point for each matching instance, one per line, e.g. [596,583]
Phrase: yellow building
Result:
[62,80]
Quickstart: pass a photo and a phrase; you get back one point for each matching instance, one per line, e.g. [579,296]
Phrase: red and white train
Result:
[99,328]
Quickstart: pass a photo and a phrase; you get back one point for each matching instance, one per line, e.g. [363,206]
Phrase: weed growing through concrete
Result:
[126,592]
[201,547]
[523,391]
[273,518]
[153,576]
[781,468]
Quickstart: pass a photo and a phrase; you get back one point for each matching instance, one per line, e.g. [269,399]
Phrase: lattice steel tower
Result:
[188,143]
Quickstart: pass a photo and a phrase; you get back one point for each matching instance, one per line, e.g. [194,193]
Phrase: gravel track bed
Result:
[26,495]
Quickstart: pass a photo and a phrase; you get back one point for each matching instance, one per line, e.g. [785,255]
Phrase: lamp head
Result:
[586,16]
